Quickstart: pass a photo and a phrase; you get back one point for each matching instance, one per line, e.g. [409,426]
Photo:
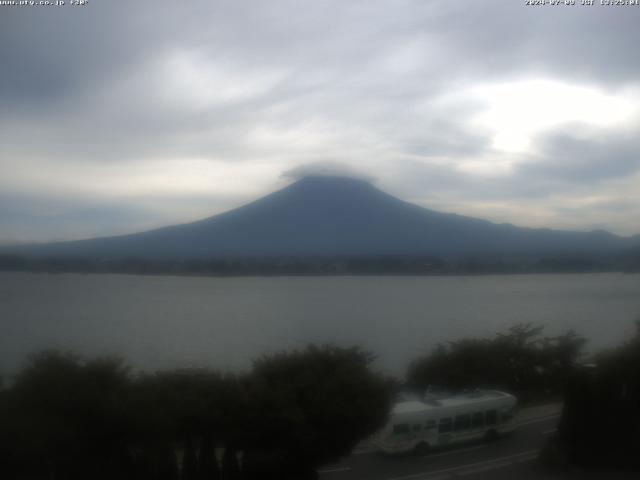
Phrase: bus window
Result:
[430,424]
[463,422]
[491,417]
[506,417]
[445,425]
[401,428]
[477,421]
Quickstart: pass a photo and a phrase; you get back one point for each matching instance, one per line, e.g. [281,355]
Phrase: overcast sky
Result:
[120,116]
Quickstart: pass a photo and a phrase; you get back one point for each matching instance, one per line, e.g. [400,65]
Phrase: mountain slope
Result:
[333,216]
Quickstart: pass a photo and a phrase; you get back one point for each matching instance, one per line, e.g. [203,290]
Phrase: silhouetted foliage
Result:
[230,467]
[185,412]
[207,463]
[69,418]
[316,404]
[521,361]
[600,424]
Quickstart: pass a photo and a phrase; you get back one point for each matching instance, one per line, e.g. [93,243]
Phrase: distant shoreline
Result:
[316,275]
[351,265]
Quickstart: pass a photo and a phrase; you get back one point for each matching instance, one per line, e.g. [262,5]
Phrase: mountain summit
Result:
[327,216]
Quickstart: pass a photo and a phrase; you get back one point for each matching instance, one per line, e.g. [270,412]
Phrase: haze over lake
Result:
[166,322]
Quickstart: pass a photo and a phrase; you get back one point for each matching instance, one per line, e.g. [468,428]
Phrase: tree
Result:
[314,405]
[71,418]
[600,423]
[181,411]
[67,416]
[519,360]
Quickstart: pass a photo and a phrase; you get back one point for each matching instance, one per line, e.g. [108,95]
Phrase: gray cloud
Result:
[586,159]
[327,168]
[105,91]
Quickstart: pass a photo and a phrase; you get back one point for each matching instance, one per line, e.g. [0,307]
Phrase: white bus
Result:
[418,425]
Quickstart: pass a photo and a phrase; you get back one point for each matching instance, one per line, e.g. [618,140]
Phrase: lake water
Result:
[163,321]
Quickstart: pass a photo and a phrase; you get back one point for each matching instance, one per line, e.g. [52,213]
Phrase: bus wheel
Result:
[491,435]
[421,449]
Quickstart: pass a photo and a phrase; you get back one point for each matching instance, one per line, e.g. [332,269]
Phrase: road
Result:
[510,457]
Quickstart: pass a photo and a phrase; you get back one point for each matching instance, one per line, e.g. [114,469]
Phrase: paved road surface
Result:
[509,457]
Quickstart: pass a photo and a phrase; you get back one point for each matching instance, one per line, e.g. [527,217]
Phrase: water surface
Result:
[164,321]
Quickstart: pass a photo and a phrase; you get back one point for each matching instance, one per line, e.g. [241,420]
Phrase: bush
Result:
[316,404]
[68,417]
[521,361]
[600,424]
